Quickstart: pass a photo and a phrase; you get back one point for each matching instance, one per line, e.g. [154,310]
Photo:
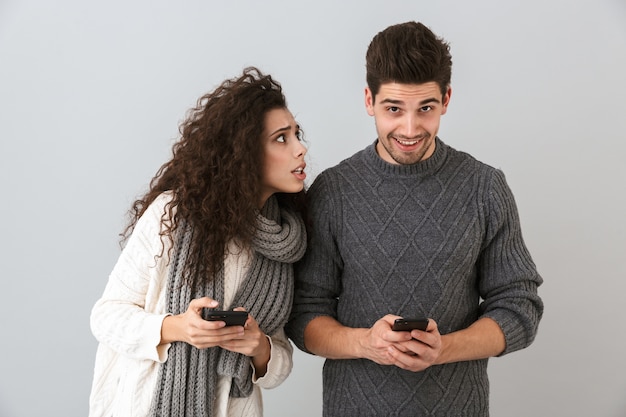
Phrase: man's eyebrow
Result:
[429,100]
[399,102]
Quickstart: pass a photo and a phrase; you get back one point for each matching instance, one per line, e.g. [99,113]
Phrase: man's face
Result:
[407,120]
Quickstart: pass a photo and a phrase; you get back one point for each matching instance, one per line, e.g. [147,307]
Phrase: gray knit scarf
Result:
[187,380]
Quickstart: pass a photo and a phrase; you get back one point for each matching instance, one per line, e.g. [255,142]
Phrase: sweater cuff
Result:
[296,326]
[157,350]
[518,333]
[278,368]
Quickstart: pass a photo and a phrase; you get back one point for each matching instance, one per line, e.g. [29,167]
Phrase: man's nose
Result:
[411,126]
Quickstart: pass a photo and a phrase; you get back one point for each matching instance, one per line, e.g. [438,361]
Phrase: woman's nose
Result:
[301,150]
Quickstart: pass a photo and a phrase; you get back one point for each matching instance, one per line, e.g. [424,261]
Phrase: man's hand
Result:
[419,352]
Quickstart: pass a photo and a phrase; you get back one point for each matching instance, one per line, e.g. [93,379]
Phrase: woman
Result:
[219,228]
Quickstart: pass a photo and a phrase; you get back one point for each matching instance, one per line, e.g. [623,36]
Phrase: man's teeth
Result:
[407,142]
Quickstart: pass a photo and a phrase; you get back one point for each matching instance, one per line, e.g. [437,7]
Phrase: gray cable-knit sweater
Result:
[440,239]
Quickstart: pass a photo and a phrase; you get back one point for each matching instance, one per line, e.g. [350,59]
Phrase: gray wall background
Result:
[91,95]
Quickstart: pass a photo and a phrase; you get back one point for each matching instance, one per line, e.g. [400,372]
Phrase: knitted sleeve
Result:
[280,364]
[508,277]
[318,273]
[126,317]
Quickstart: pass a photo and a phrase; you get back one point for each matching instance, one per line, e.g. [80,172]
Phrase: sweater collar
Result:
[420,168]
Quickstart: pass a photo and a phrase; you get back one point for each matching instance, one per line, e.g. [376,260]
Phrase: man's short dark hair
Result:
[408,53]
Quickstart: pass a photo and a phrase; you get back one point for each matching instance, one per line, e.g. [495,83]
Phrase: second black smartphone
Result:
[231,318]
[405,325]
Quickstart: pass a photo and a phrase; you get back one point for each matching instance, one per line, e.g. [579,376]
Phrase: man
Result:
[410,227]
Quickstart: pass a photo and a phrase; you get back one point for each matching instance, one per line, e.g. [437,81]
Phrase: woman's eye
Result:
[281,139]
[300,135]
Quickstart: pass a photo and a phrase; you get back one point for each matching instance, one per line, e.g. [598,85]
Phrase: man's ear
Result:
[369,101]
[446,100]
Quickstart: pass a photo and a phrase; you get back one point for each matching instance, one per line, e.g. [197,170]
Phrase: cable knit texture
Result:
[188,379]
[440,239]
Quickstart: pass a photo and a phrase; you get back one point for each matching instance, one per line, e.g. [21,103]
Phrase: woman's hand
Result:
[191,328]
[253,343]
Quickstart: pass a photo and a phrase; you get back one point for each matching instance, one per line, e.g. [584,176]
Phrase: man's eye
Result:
[426,108]
[394,109]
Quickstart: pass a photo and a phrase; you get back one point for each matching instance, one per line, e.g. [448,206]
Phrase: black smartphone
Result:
[231,318]
[407,325]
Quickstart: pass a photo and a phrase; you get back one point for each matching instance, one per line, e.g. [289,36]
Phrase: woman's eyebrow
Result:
[280,129]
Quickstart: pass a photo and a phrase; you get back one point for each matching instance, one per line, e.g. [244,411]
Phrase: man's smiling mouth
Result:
[407,142]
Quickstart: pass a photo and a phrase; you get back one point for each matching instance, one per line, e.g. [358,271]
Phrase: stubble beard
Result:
[405,158]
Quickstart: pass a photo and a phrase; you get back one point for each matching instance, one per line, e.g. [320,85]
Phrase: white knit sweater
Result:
[127,320]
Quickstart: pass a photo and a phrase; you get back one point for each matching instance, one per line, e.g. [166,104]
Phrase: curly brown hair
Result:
[408,53]
[215,172]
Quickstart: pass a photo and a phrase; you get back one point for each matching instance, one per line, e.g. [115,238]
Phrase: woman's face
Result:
[283,167]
